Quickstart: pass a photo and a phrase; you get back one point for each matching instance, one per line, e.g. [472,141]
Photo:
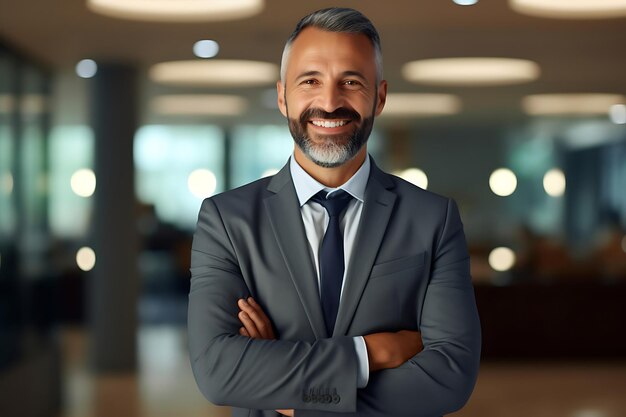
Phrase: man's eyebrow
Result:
[354,74]
[312,73]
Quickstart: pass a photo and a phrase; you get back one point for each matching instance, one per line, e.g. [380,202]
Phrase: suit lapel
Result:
[377,208]
[283,210]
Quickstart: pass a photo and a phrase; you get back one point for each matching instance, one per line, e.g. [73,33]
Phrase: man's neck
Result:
[331,177]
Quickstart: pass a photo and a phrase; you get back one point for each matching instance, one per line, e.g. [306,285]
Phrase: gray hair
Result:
[337,19]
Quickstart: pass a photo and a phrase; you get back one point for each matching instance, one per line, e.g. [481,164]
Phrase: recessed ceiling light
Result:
[570,104]
[214,73]
[177,10]
[206,48]
[86,68]
[571,9]
[471,71]
[417,104]
[199,105]
[465,2]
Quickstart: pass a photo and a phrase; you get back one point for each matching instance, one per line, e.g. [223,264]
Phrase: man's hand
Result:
[255,323]
[390,350]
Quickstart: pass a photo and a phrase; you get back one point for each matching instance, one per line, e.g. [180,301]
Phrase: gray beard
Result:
[334,150]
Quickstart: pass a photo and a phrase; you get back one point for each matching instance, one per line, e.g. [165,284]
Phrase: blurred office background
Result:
[115,123]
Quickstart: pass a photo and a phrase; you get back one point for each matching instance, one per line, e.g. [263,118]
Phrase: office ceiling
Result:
[574,55]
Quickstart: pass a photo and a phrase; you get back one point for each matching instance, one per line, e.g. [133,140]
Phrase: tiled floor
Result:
[164,385]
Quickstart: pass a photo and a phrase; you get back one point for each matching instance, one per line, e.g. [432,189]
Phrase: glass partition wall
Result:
[26,279]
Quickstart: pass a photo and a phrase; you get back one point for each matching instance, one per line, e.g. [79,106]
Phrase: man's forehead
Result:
[315,45]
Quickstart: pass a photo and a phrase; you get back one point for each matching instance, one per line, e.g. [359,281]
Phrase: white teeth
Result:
[329,124]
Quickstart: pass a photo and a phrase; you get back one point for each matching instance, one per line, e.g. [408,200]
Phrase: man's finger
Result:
[266,329]
[249,325]
[257,315]
[244,332]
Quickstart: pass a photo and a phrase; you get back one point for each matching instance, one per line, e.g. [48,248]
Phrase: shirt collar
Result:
[307,186]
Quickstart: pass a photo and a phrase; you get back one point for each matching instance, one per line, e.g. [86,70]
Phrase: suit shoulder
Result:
[244,196]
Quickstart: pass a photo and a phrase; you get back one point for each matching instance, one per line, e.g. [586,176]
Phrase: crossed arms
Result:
[259,373]
[385,350]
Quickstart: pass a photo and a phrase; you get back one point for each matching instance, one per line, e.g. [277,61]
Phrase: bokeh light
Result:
[415,176]
[501,259]
[83,182]
[554,182]
[206,48]
[503,182]
[202,183]
[86,258]
[86,68]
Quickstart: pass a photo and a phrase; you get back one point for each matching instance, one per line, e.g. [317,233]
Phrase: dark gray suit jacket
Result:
[409,270]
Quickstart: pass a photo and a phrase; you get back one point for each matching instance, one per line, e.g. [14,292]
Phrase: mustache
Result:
[340,113]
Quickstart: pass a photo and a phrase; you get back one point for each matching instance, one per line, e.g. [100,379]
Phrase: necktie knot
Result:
[335,204]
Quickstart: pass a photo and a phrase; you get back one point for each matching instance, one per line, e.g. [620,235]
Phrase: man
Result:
[309,288]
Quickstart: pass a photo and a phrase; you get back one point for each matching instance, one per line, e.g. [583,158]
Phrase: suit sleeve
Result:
[234,370]
[440,379]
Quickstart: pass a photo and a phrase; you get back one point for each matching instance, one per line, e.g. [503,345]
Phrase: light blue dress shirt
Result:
[315,219]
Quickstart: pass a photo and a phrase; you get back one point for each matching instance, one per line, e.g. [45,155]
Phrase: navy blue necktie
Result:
[331,255]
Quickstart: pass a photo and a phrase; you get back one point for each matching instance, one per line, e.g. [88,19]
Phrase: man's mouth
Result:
[329,123]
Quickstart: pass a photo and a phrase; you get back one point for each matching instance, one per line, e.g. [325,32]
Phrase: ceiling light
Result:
[177,10]
[86,68]
[206,48]
[570,104]
[199,105]
[471,71]
[214,73]
[571,9]
[465,2]
[415,104]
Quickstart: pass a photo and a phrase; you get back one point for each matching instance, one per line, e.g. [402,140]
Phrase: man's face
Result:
[330,94]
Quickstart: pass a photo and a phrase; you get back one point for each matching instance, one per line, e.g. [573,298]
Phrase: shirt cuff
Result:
[363,370]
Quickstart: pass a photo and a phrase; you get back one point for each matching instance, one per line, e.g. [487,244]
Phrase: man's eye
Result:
[351,82]
[309,82]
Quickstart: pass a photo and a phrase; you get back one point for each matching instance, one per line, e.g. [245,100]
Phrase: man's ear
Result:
[382,97]
[282,105]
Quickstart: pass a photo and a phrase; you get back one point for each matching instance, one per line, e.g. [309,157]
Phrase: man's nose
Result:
[331,98]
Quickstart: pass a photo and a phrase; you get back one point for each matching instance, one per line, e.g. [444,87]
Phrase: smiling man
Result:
[332,287]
